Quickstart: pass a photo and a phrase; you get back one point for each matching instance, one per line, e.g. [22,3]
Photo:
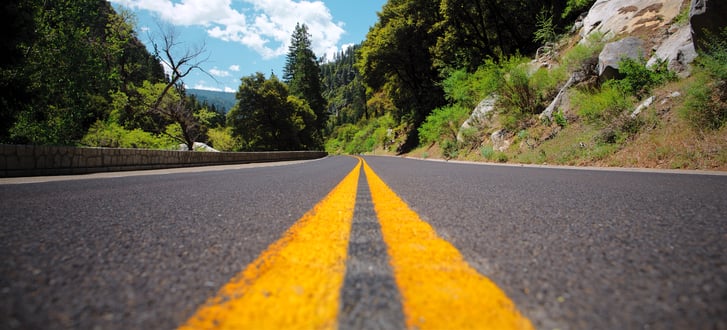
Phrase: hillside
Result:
[224,101]
[628,84]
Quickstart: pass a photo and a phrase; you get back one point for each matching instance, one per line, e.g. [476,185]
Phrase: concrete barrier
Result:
[26,160]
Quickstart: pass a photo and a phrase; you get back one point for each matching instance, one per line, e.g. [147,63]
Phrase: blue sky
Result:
[242,37]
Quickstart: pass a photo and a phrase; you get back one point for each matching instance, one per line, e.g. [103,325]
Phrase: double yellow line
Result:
[296,282]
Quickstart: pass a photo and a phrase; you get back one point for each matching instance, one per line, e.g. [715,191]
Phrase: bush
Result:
[221,139]
[501,157]
[443,123]
[487,152]
[113,135]
[467,89]
[705,106]
[638,80]
[584,56]
[601,107]
[560,119]
[450,149]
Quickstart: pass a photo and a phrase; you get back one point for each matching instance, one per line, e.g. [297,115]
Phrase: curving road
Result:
[572,249]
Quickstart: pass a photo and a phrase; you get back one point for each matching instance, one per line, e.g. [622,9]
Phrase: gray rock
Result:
[479,115]
[614,17]
[706,17]
[643,106]
[499,140]
[678,50]
[614,52]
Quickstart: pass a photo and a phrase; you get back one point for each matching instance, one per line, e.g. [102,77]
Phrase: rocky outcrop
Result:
[616,17]
[706,17]
[678,50]
[479,115]
[614,52]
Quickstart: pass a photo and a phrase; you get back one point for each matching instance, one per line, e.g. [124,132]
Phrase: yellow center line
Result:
[439,289]
[296,282]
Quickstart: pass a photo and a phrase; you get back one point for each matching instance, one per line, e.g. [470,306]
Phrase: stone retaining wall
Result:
[25,160]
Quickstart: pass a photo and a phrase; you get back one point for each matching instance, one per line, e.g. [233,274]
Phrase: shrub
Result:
[487,152]
[560,119]
[638,80]
[450,149]
[221,139]
[443,123]
[705,106]
[601,107]
[584,56]
[113,135]
[501,157]
[545,32]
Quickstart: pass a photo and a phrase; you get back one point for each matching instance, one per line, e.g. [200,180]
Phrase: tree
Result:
[343,88]
[395,58]
[472,31]
[303,76]
[180,64]
[66,77]
[267,117]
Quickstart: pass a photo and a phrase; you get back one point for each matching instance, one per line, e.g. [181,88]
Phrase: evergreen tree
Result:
[303,76]
[267,117]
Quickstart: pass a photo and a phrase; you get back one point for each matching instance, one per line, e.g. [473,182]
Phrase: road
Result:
[552,248]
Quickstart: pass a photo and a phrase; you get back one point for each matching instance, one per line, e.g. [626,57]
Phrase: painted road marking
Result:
[369,296]
[439,289]
[296,282]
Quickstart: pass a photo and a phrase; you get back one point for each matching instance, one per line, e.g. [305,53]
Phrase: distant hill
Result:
[221,100]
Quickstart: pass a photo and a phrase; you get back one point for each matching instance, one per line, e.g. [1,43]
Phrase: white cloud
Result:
[265,27]
[201,85]
[234,68]
[230,90]
[219,73]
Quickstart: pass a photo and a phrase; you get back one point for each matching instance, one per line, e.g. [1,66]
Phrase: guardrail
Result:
[27,160]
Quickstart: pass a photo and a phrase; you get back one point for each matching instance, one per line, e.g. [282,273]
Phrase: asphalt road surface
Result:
[572,249]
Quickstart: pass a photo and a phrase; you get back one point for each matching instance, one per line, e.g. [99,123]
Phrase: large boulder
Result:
[678,50]
[479,115]
[614,52]
[707,17]
[641,17]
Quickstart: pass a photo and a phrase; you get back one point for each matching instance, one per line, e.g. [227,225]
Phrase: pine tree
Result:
[303,76]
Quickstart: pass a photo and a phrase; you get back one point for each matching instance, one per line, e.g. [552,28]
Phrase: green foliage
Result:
[467,89]
[345,91]
[713,60]
[303,76]
[705,106]
[443,124]
[560,119]
[450,149]
[500,157]
[545,32]
[221,139]
[601,106]
[576,6]
[487,152]
[266,117]
[638,80]
[471,31]
[363,137]
[702,108]
[518,98]
[395,58]
[584,56]
[113,135]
